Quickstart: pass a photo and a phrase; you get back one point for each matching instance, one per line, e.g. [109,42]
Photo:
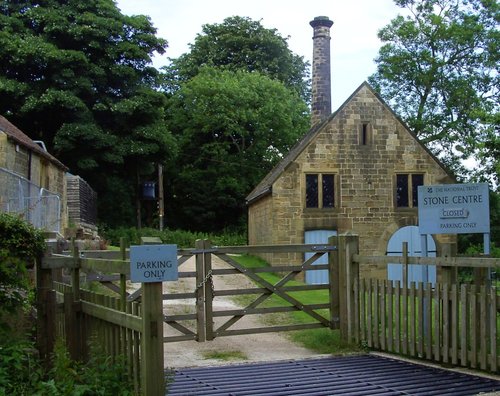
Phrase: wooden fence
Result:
[445,322]
[121,327]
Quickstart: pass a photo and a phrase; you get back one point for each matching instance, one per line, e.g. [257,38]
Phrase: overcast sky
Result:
[354,42]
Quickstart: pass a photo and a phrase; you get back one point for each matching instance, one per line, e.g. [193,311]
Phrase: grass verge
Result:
[225,355]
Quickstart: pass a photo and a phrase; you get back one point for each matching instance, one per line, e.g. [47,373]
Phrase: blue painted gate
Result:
[416,273]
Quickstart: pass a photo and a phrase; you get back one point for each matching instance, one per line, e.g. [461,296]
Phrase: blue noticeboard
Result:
[454,209]
[153,263]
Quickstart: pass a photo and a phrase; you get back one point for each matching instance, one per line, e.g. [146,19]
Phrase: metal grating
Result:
[352,375]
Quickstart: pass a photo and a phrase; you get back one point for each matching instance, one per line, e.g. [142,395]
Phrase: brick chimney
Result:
[321,104]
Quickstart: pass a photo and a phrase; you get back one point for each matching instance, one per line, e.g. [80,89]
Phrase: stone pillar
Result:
[321,104]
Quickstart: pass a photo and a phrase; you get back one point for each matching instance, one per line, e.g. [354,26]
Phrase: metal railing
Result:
[40,207]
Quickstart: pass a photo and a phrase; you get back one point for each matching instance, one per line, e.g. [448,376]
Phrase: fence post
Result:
[333,275]
[348,274]
[200,293]
[152,373]
[45,305]
[209,289]
[71,314]
[123,277]
[449,277]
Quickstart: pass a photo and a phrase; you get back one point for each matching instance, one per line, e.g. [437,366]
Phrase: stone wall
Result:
[14,157]
[364,179]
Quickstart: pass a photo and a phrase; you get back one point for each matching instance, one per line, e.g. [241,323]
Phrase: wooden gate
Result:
[211,322]
[132,323]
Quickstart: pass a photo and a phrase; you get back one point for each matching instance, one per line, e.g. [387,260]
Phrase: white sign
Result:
[454,209]
[153,263]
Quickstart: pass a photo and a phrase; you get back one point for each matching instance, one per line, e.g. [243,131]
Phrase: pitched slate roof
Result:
[265,186]
[21,138]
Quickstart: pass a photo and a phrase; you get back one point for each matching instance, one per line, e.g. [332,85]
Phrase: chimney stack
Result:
[321,104]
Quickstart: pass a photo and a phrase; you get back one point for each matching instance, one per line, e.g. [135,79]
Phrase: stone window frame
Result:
[411,193]
[336,191]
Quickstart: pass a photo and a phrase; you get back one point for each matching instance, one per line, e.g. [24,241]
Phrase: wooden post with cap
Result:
[152,368]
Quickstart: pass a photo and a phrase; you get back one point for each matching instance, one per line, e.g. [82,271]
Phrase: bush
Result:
[20,371]
[477,250]
[99,376]
[20,238]
[184,239]
[20,244]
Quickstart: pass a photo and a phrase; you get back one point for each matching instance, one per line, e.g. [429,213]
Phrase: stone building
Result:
[32,181]
[356,170]
[35,184]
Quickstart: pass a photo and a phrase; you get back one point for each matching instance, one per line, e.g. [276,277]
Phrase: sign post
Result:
[454,209]
[151,265]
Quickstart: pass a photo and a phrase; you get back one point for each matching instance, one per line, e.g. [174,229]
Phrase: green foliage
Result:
[323,341]
[239,43]
[232,128]
[20,371]
[438,68]
[184,239]
[77,75]
[478,250]
[99,376]
[473,243]
[19,238]
[236,104]
[225,355]
[20,244]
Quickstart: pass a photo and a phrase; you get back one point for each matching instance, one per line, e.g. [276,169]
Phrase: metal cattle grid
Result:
[351,375]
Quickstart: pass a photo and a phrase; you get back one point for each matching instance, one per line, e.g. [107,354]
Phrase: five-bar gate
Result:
[208,321]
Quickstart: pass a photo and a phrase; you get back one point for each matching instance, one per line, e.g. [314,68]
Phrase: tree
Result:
[77,75]
[438,69]
[232,126]
[239,43]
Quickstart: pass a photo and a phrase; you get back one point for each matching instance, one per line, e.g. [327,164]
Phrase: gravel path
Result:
[253,348]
